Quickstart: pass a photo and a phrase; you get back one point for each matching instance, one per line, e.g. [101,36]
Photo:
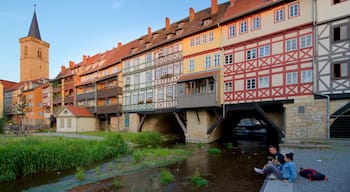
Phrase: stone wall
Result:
[306,118]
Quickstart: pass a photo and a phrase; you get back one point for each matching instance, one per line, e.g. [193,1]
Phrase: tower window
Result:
[25,50]
[39,53]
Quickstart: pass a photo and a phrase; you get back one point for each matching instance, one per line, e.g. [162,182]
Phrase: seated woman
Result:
[288,172]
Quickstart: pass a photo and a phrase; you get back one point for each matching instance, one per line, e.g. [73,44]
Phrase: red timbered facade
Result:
[274,67]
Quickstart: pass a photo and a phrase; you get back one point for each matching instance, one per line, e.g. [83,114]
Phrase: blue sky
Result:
[74,28]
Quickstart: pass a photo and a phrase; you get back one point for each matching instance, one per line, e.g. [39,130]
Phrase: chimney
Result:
[120,45]
[167,23]
[63,68]
[149,32]
[84,58]
[214,6]
[191,14]
[71,64]
[232,2]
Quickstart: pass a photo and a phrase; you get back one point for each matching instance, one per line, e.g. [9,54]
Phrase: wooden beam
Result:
[182,125]
[142,122]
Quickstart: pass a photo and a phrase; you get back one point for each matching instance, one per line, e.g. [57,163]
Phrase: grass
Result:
[80,174]
[197,179]
[165,177]
[21,156]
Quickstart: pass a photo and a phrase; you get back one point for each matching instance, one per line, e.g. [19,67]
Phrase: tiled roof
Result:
[7,84]
[79,111]
[244,7]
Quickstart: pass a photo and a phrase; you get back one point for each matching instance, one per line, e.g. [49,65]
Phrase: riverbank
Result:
[332,160]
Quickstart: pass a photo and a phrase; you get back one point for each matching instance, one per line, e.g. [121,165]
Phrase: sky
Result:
[74,28]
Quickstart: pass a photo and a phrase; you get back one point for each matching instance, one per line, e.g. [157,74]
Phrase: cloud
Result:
[116,4]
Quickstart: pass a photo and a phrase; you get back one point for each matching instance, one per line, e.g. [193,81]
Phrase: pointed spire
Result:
[34,28]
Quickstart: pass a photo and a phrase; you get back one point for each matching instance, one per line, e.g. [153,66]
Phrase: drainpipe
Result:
[222,72]
[314,22]
[327,112]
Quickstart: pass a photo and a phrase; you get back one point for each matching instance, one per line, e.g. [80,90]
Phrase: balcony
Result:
[86,96]
[57,89]
[57,100]
[199,100]
[68,85]
[69,99]
[109,92]
[107,109]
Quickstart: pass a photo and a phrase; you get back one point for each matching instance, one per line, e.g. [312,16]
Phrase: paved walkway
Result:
[334,162]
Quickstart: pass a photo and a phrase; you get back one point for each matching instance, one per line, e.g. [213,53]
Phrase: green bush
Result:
[214,151]
[137,155]
[197,178]
[165,177]
[148,138]
[80,174]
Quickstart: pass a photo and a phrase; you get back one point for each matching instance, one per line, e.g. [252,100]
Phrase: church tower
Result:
[34,58]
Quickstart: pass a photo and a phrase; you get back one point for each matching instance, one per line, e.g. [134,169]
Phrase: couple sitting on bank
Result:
[283,167]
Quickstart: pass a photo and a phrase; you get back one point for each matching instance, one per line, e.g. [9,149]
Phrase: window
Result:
[306,76]
[149,97]
[232,31]
[148,58]
[198,40]
[291,45]
[292,78]
[256,23]
[251,54]
[217,60]
[141,98]
[158,73]
[137,79]
[340,33]
[264,82]
[305,41]
[228,86]
[338,1]
[244,27]
[207,62]
[169,93]
[135,99]
[294,10]
[211,36]
[127,81]
[279,15]
[127,100]
[340,70]
[177,69]
[205,38]
[191,65]
[264,51]
[148,76]
[251,83]
[192,42]
[160,94]
[228,59]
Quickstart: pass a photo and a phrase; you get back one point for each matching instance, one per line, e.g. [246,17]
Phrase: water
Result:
[231,170]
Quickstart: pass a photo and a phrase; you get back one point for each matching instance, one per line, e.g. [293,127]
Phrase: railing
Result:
[109,92]
[86,96]
[105,109]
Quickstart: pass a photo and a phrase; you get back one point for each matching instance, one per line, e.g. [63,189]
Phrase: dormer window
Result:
[206,22]
[141,41]
[169,35]
[178,32]
[133,50]
[148,44]
[180,25]
[155,35]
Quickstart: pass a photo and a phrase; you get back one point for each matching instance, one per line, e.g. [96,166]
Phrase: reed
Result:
[30,155]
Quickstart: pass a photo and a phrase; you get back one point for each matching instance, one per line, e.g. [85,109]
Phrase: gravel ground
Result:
[333,162]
